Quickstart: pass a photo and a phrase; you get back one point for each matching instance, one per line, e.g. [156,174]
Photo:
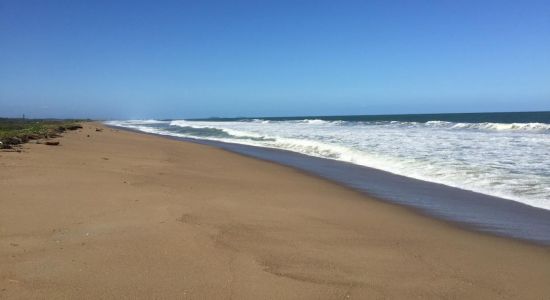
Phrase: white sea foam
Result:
[314,121]
[533,127]
[505,127]
[511,161]
[260,121]
[145,122]
[232,132]
[529,127]
[134,122]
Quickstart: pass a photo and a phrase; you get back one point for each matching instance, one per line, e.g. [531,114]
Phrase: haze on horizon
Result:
[185,59]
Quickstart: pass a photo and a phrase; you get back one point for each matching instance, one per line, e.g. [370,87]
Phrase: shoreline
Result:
[469,210]
[144,216]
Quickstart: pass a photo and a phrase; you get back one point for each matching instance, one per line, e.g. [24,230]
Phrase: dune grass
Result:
[16,131]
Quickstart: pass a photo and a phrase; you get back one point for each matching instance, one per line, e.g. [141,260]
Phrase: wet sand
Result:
[127,215]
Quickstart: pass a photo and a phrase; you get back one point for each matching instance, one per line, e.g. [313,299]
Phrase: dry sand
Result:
[127,215]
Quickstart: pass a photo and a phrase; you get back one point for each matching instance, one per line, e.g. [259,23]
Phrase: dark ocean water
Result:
[490,117]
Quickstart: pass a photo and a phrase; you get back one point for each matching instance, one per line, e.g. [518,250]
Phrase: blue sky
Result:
[181,59]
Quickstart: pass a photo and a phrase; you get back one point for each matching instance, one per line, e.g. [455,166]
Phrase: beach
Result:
[118,214]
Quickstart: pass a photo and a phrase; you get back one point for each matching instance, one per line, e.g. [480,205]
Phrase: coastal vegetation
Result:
[18,131]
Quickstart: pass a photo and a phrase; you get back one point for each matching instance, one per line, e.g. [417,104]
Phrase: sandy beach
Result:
[114,214]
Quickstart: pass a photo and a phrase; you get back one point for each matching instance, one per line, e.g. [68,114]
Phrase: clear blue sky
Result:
[178,59]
